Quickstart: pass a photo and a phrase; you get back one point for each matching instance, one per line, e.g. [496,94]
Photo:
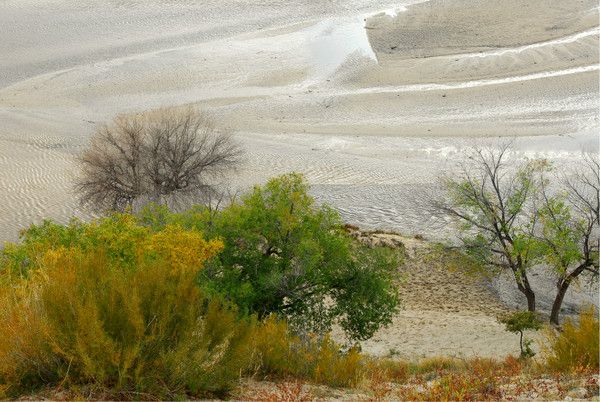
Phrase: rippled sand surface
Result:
[372,100]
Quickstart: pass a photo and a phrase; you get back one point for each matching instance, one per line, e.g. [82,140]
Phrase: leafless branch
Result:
[173,157]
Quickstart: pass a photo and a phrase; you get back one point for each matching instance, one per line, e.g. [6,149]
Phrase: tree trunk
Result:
[530,299]
[525,288]
[521,343]
[562,290]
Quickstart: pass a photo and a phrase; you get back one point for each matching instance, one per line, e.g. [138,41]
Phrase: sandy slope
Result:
[445,312]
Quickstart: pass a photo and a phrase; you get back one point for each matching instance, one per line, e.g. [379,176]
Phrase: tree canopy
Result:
[511,216]
[285,255]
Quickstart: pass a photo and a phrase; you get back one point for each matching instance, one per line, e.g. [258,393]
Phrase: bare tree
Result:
[491,202]
[170,156]
[569,228]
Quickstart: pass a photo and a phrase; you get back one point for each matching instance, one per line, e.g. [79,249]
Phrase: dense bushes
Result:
[114,309]
[118,310]
[144,306]
[120,237]
[282,354]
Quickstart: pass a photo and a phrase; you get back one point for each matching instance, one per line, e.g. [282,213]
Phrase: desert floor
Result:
[372,100]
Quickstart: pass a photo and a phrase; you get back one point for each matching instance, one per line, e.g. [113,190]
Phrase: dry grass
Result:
[287,391]
[435,380]
[312,358]
[473,379]
[576,348]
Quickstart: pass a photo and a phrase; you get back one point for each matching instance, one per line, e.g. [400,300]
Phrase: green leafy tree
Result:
[511,217]
[285,255]
[492,202]
[569,229]
[521,321]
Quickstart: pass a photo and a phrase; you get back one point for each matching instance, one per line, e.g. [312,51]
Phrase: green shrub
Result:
[285,255]
[118,235]
[117,307]
[521,321]
[575,348]
[136,304]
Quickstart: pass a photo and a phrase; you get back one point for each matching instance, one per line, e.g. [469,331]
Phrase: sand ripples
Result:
[36,181]
[301,103]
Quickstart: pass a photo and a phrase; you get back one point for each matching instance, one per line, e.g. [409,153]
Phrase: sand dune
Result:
[440,27]
[444,312]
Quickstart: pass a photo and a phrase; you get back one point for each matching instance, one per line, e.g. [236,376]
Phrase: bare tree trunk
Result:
[563,286]
[530,295]
[562,290]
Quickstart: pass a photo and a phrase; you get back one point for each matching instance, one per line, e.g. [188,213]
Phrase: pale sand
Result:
[300,74]
[309,89]
[444,313]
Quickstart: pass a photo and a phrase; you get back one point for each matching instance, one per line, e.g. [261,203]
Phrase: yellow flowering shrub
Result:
[181,249]
[576,347]
[116,306]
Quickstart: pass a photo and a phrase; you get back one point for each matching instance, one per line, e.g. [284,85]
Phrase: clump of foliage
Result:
[113,305]
[123,240]
[576,347]
[521,321]
[144,305]
[283,354]
[285,255]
